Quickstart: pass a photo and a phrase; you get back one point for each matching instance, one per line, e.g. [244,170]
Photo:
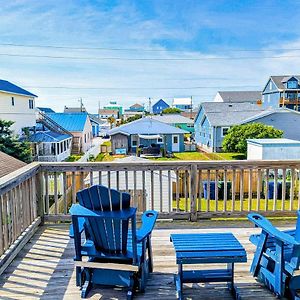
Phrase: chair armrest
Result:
[148,222]
[268,227]
[81,222]
[78,211]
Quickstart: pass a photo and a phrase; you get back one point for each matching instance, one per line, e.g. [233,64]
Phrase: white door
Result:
[175,143]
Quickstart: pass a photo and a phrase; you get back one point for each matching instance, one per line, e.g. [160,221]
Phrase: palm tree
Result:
[111,120]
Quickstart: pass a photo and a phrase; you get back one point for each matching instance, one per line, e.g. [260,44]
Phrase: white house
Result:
[184,104]
[166,188]
[17,105]
[273,149]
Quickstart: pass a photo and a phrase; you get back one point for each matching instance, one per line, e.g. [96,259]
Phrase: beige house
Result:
[17,105]
[79,125]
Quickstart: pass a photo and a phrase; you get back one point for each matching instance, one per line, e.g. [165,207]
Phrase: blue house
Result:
[159,106]
[136,108]
[214,120]
[146,132]
[282,91]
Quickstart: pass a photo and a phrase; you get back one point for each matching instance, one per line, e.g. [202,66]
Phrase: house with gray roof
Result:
[282,91]
[215,118]
[238,96]
[176,120]
[146,132]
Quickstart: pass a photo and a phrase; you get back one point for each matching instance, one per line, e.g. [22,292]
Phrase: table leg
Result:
[178,282]
[231,285]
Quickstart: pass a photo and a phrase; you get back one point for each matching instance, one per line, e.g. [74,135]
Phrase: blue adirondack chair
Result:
[114,251]
[277,257]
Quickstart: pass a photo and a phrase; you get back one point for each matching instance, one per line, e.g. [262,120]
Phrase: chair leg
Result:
[87,286]
[150,258]
[255,266]
[131,288]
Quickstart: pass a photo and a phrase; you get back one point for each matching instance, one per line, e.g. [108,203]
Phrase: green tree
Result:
[133,118]
[10,145]
[171,110]
[236,137]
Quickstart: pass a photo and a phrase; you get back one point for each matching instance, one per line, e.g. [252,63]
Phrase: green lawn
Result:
[204,205]
[201,156]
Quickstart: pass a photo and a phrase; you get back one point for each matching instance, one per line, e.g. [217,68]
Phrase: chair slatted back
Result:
[109,235]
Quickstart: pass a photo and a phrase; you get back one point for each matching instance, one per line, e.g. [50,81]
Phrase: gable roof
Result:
[240,96]
[8,87]
[46,110]
[173,119]
[280,80]
[268,112]
[48,137]
[137,105]
[146,126]
[228,114]
[161,101]
[74,109]
[107,111]
[9,164]
[70,121]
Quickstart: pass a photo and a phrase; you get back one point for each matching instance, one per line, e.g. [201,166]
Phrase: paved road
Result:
[94,150]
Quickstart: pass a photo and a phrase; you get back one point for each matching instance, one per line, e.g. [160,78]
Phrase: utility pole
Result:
[81,105]
[149,103]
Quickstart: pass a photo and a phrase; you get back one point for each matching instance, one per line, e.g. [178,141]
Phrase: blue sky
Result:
[223,37]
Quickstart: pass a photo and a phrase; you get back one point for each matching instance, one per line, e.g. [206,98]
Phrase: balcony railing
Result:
[285,101]
[188,190]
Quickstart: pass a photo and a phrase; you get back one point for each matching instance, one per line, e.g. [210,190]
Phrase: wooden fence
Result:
[188,190]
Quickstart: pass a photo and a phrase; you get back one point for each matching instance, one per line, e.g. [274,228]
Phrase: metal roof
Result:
[48,137]
[70,121]
[146,126]
[173,119]
[8,87]
[228,114]
[46,110]
[240,96]
[279,141]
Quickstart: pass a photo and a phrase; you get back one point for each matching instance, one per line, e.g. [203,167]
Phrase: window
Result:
[13,101]
[292,84]
[224,130]
[134,140]
[30,103]
[175,139]
[190,125]
[160,140]
[85,138]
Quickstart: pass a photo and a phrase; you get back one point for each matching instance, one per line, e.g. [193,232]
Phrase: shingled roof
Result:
[9,164]
[280,80]
[240,96]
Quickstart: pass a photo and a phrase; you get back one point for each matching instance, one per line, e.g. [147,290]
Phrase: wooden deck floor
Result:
[44,270]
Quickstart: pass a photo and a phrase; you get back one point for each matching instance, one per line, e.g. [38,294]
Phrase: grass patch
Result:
[73,157]
[107,157]
[213,205]
[201,156]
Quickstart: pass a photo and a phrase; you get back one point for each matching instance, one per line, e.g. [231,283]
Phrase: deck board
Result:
[44,269]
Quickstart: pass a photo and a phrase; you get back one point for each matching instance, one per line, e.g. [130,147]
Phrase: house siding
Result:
[159,106]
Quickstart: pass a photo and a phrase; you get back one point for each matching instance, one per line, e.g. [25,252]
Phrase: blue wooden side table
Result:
[208,248]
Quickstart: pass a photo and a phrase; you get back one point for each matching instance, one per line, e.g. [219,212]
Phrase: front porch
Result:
[44,268]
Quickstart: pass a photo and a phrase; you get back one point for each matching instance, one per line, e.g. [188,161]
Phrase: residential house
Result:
[48,145]
[128,113]
[238,96]
[159,106]
[74,109]
[190,114]
[176,120]
[107,113]
[137,108]
[79,125]
[282,91]
[214,120]
[9,164]
[17,105]
[273,149]
[284,119]
[126,182]
[184,104]
[114,106]
[146,132]
[96,125]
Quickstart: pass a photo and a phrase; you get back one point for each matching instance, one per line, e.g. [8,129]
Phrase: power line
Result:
[138,49]
[141,88]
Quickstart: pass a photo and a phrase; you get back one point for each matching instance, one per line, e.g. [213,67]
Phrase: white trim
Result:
[225,127]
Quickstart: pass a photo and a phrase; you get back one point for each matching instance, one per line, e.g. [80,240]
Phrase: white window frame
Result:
[222,131]
[162,140]
[134,138]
